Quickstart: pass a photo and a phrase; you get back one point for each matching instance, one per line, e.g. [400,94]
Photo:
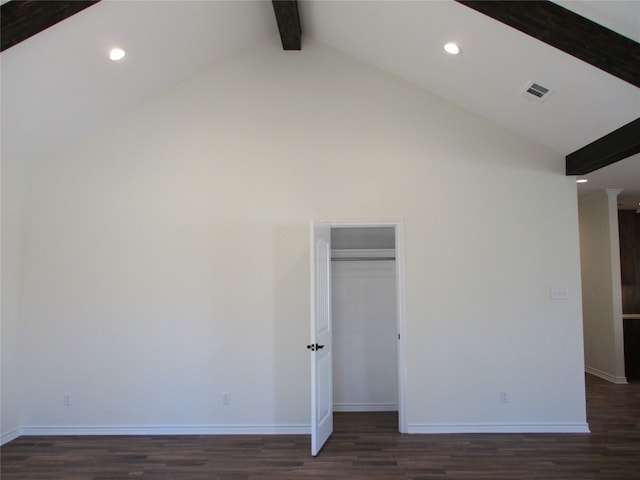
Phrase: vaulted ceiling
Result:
[59,84]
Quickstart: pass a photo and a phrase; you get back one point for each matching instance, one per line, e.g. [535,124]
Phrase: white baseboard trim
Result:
[606,376]
[365,407]
[278,429]
[500,428]
[166,430]
[12,435]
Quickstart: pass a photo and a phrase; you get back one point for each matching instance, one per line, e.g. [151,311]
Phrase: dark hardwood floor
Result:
[364,446]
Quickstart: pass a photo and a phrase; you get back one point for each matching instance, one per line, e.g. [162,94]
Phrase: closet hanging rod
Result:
[358,259]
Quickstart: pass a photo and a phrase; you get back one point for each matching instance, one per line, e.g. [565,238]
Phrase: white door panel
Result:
[321,337]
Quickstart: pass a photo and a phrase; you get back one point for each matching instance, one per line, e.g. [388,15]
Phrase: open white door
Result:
[321,331]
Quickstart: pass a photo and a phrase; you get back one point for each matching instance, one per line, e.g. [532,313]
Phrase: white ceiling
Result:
[60,84]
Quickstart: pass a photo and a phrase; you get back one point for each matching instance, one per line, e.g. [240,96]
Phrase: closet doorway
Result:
[366,301]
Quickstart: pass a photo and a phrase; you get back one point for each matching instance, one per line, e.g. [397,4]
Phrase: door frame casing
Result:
[400,303]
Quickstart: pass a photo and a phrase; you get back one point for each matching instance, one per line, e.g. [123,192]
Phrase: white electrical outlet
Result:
[504,396]
[559,293]
[66,400]
[226,399]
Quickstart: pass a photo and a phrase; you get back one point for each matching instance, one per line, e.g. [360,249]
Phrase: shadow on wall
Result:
[292,381]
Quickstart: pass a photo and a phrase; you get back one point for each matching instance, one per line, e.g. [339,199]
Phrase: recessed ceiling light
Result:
[582,180]
[116,54]
[452,48]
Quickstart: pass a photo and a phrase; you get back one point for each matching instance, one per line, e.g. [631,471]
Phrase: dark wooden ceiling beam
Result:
[288,23]
[618,145]
[21,19]
[569,32]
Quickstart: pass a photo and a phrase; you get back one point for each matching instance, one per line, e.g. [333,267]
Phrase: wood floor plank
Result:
[364,446]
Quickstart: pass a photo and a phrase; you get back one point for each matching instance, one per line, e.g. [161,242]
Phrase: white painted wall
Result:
[14,174]
[365,360]
[601,285]
[165,257]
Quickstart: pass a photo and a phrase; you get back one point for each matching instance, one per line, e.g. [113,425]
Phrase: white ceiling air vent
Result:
[534,92]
